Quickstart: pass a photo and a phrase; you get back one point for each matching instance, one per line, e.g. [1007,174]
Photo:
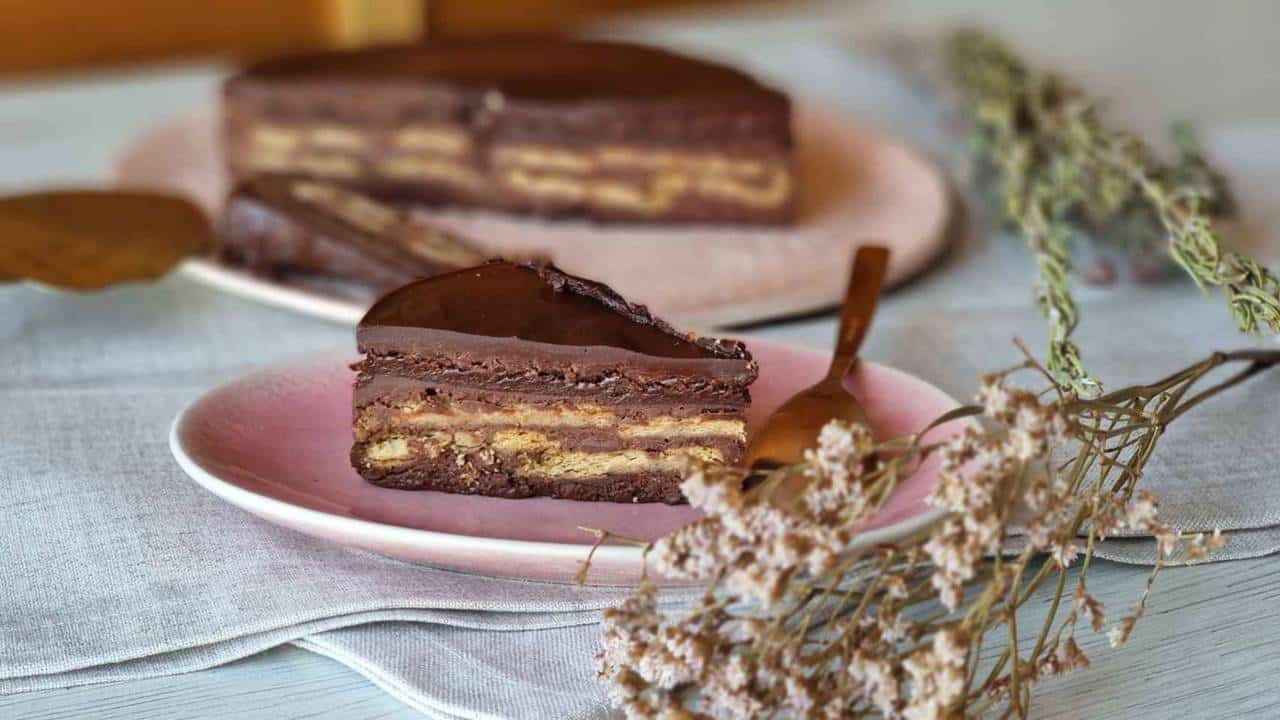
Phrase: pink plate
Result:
[856,186]
[275,443]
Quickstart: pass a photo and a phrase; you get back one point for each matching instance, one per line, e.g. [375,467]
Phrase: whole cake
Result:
[552,127]
[521,380]
[280,227]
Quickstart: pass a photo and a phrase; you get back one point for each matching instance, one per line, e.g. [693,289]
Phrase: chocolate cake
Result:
[520,380]
[279,226]
[551,127]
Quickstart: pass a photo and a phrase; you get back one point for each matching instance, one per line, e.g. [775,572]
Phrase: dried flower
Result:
[794,623]
[1090,607]
[937,676]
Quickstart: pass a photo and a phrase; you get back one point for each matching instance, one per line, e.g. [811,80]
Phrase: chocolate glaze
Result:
[537,304]
[522,68]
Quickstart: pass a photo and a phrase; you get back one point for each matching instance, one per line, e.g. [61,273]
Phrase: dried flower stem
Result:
[798,621]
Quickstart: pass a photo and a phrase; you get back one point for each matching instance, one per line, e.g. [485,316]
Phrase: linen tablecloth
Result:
[116,566]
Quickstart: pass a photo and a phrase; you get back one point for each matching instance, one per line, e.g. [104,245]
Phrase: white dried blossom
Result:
[737,672]
[1201,546]
[623,683]
[801,694]
[762,584]
[628,632]
[937,676]
[895,586]
[1142,512]
[691,651]
[1025,445]
[961,492]
[639,709]
[877,679]
[836,469]
[710,489]
[842,447]
[1063,553]
[1072,656]
[728,698]
[1090,607]
[984,529]
[954,558]
[662,669]
[1167,539]
[961,448]
[1108,515]
[994,398]
[1047,666]
[1119,634]
[695,551]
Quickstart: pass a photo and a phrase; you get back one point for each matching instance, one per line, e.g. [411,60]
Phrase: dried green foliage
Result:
[1063,173]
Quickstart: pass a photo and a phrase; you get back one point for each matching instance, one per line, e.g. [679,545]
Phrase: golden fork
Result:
[793,428]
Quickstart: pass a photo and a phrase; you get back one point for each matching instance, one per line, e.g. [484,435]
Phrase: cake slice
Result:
[551,127]
[278,226]
[520,380]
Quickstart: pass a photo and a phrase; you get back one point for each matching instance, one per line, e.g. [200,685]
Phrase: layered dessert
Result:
[551,127]
[521,380]
[279,227]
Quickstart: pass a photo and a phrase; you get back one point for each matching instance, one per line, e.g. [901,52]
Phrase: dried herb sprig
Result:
[797,622]
[1062,173]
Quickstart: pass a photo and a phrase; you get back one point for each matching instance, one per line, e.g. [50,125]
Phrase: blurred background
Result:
[1155,59]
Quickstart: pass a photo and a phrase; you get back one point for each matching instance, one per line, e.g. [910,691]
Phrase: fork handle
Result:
[860,297]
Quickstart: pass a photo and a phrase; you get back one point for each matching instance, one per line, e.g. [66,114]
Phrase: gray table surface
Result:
[1210,644]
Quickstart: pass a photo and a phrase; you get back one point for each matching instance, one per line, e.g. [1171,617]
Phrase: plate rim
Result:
[254,502]
[245,285]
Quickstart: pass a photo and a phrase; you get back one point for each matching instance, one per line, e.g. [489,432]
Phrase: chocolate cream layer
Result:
[612,131]
[576,391]
[578,424]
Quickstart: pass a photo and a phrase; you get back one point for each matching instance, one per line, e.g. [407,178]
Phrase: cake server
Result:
[793,428]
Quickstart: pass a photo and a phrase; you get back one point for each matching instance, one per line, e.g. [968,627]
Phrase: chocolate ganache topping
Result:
[538,303]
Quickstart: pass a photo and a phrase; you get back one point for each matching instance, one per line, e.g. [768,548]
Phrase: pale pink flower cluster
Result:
[647,660]
[835,468]
[1090,607]
[795,624]
[756,542]
[937,677]
[975,465]
[1142,515]
[1055,661]
[641,651]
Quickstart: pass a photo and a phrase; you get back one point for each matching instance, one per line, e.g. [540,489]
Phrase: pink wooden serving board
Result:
[276,443]
[856,187]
